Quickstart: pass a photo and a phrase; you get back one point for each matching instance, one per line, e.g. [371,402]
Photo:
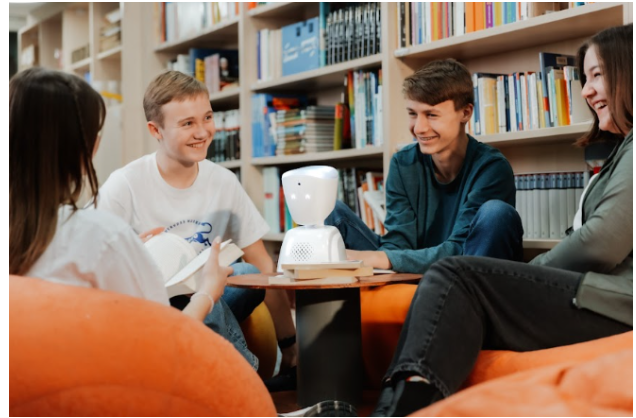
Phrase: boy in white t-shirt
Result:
[178,189]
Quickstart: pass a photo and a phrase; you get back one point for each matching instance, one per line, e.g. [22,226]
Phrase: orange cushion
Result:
[494,364]
[600,387]
[383,311]
[77,351]
[260,336]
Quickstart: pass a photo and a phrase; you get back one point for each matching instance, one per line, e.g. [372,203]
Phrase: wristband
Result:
[207,295]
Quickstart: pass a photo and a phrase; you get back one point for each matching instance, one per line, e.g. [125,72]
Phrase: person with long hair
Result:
[579,291]
[55,121]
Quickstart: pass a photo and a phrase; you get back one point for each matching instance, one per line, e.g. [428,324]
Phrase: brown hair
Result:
[54,121]
[169,86]
[439,81]
[615,53]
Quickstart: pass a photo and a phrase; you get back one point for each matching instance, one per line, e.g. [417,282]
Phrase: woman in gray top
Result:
[579,291]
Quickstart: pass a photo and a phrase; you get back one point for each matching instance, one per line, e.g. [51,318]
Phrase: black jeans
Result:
[465,304]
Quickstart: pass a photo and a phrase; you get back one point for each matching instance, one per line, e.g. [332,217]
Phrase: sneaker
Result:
[332,409]
[283,381]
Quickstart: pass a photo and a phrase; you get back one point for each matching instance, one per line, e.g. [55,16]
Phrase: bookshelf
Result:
[502,49]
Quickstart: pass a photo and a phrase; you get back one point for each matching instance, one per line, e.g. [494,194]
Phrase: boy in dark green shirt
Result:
[446,194]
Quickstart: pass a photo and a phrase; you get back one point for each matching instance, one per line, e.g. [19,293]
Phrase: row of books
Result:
[362,97]
[547,203]
[226,144]
[110,32]
[218,69]
[183,20]
[530,100]
[360,189]
[350,32]
[425,22]
[264,108]
[363,191]
[304,130]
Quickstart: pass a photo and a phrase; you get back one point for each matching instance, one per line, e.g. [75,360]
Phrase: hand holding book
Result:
[214,275]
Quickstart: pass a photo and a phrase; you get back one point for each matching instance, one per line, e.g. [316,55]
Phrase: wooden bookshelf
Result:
[221,33]
[540,244]
[113,53]
[230,165]
[562,25]
[350,155]
[274,237]
[285,9]
[226,98]
[321,78]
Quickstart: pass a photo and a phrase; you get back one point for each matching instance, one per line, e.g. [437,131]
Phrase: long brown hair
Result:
[54,122]
[614,49]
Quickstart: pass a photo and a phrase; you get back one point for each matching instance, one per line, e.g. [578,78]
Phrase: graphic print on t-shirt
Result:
[197,233]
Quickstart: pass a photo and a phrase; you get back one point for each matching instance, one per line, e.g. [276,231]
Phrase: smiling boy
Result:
[178,189]
[446,194]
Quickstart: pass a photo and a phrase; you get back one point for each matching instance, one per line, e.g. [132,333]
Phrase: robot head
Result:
[311,193]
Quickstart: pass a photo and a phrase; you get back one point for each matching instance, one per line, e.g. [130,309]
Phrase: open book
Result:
[179,263]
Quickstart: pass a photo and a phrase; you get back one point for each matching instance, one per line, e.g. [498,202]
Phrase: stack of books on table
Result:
[343,272]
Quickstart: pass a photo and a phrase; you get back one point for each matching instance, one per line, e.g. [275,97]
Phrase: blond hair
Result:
[169,86]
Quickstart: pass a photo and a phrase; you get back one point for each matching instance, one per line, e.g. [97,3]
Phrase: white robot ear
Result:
[311,193]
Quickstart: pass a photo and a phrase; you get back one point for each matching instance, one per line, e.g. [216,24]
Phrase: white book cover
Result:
[271,205]
[501,104]
[553,198]
[536,210]
[544,232]
[459,20]
[572,203]
[179,263]
[563,205]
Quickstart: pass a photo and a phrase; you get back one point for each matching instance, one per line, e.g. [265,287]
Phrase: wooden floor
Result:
[286,402]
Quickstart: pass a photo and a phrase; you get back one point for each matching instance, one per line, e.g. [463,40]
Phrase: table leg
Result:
[329,345]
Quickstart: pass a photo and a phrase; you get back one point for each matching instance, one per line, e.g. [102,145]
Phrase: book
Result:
[348,264]
[323,273]
[179,263]
[282,281]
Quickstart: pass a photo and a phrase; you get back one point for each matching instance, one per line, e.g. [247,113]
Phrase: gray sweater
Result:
[602,248]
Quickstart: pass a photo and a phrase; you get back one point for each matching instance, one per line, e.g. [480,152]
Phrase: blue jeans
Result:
[495,231]
[242,302]
[234,306]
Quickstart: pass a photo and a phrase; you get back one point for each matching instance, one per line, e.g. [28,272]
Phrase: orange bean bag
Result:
[600,387]
[384,311]
[76,351]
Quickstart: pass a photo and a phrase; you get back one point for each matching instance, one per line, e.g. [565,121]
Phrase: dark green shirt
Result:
[428,220]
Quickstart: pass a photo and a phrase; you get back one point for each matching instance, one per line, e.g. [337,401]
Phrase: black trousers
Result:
[466,304]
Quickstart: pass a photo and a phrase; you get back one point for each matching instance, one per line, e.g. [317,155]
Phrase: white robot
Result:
[311,194]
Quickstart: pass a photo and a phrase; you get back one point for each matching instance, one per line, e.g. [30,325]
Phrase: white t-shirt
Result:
[93,248]
[215,204]
[578,217]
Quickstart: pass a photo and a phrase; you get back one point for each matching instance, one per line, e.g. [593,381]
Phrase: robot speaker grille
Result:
[302,251]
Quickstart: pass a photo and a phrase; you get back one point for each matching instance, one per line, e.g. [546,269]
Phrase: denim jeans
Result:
[495,231]
[234,306]
[465,304]
[242,302]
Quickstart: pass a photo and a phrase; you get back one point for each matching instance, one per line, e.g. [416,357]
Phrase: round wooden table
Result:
[328,334]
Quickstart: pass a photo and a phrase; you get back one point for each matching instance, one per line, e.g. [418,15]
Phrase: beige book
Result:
[282,280]
[304,274]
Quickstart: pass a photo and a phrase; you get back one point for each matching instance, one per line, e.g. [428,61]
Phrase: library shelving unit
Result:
[55,30]
[504,49]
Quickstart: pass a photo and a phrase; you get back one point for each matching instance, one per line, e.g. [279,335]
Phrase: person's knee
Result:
[497,213]
[338,212]
[244,268]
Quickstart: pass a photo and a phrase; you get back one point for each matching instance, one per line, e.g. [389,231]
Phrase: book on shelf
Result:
[351,31]
[425,22]
[226,145]
[547,202]
[179,263]
[184,20]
